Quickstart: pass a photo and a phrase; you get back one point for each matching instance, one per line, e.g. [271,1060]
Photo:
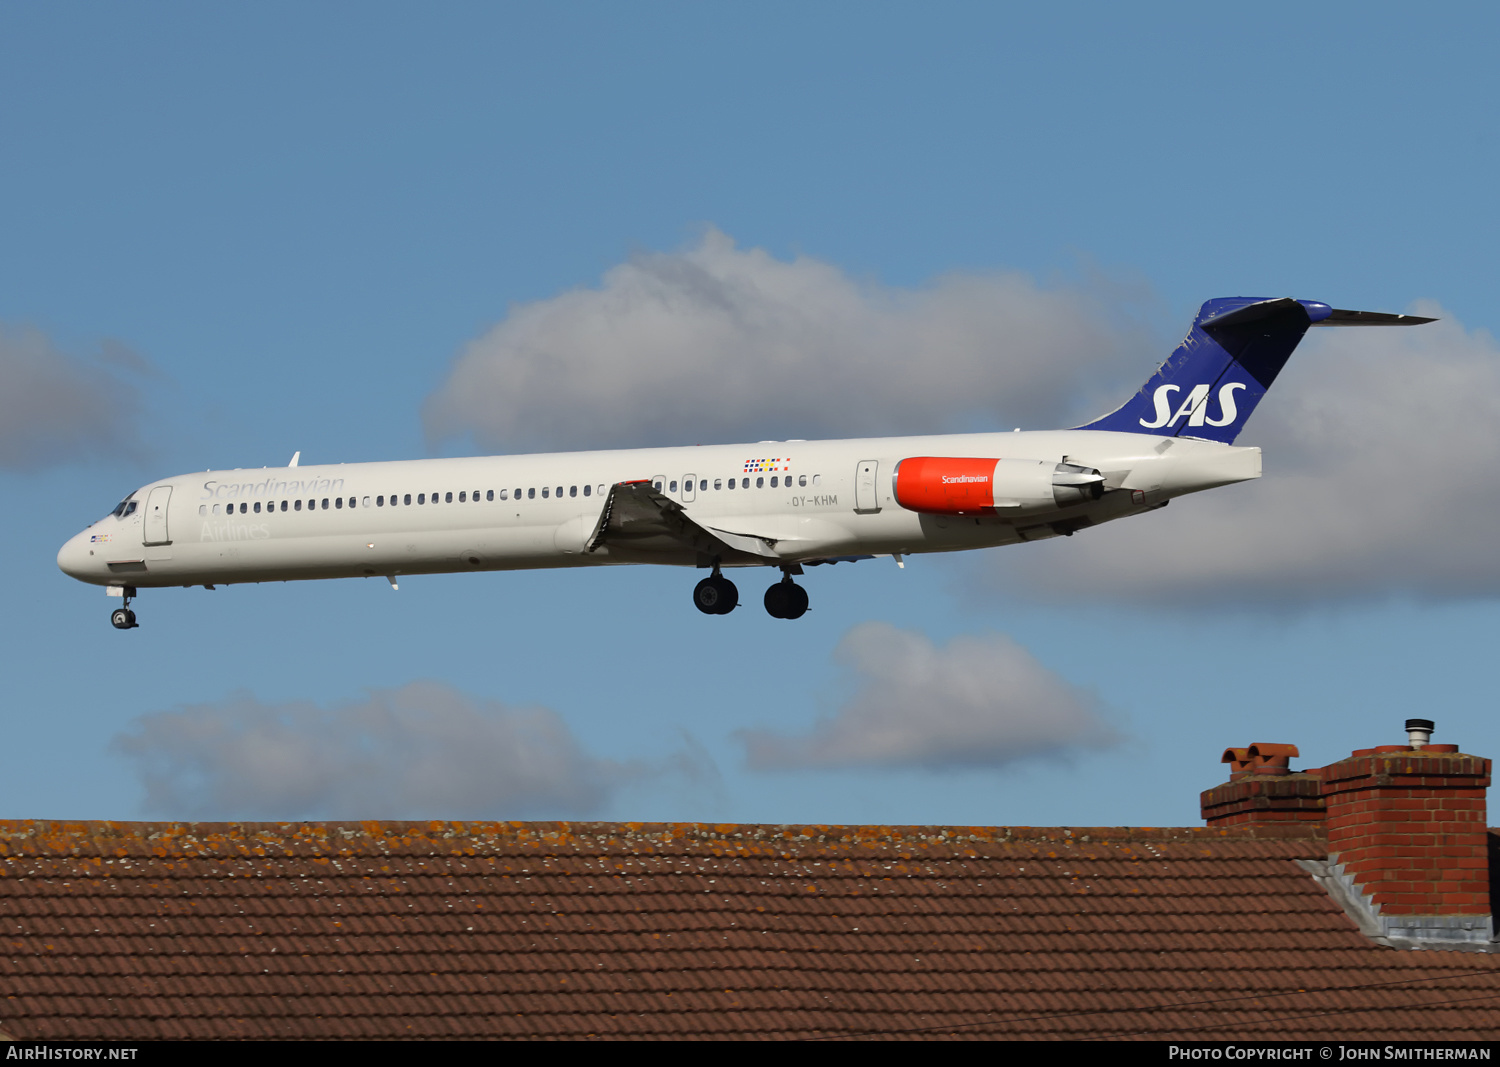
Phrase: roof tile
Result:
[125,931]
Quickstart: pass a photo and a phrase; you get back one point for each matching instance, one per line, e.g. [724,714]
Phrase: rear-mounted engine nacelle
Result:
[1072,484]
[946,485]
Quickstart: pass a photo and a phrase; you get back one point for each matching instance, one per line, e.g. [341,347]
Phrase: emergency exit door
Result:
[866,499]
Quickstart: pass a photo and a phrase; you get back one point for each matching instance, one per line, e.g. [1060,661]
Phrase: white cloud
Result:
[718,343]
[1382,447]
[55,407]
[1379,442]
[981,701]
[424,750]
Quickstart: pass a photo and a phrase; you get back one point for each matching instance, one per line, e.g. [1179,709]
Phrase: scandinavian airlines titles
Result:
[1194,406]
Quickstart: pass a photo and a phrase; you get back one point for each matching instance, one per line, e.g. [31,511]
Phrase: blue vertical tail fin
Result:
[1208,387]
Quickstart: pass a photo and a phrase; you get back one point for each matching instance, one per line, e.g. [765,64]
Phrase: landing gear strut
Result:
[786,599]
[716,594]
[122,618]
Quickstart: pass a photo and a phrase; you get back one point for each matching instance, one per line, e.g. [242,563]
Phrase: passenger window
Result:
[338,502]
[656,485]
[559,492]
[531,494]
[447,498]
[489,494]
[572,490]
[297,504]
[601,490]
[421,498]
[463,498]
[817,478]
[366,502]
[718,483]
[801,479]
[760,483]
[773,481]
[504,494]
[672,486]
[406,500]
[587,490]
[283,505]
[545,492]
[202,509]
[731,483]
[380,501]
[257,507]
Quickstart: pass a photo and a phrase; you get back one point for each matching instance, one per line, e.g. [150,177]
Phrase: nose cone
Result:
[75,560]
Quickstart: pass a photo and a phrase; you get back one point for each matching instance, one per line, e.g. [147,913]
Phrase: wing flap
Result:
[638,517]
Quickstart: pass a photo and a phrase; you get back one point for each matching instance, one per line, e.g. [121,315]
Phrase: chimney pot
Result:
[1419,732]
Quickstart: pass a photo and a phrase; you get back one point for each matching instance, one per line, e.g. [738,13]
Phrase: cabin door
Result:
[156,516]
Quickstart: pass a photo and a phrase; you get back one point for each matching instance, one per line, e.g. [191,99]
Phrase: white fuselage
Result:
[806,500]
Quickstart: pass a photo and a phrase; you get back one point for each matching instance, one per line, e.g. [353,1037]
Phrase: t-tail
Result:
[1209,386]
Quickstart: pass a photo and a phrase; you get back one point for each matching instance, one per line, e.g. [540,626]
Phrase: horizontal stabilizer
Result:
[1370,318]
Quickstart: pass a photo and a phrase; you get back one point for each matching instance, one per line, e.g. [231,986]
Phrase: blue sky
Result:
[227,235]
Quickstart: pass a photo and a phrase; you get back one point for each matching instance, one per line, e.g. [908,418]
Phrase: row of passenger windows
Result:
[760,483]
[464,497]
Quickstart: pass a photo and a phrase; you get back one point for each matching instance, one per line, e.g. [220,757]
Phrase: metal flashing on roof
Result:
[1463,933]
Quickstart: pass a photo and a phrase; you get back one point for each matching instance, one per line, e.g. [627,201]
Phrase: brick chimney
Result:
[1263,790]
[1407,836]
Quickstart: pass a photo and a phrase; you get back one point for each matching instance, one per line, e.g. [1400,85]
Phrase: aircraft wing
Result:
[637,517]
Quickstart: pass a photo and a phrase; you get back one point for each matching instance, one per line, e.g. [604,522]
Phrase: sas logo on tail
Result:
[1194,406]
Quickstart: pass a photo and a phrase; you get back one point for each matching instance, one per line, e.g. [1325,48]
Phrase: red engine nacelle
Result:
[948,485]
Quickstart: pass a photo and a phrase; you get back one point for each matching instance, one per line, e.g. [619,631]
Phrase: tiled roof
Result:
[138,930]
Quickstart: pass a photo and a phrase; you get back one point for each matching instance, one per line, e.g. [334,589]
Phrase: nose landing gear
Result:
[122,618]
[716,595]
[786,599]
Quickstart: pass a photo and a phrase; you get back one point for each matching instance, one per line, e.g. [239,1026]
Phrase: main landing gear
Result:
[786,599]
[122,618]
[716,595]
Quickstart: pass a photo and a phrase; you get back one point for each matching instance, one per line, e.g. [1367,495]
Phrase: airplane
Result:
[783,504]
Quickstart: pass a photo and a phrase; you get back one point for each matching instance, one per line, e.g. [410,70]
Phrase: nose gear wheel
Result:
[122,618]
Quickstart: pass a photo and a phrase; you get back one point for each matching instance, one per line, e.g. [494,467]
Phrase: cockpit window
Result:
[123,508]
